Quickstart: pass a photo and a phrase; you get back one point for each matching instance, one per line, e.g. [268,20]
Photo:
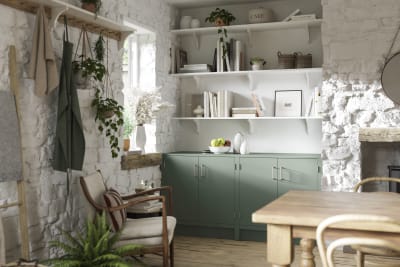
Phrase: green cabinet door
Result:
[257,187]
[217,190]
[298,174]
[181,172]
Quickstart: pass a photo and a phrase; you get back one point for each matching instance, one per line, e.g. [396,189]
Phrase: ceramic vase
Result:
[141,137]
[185,22]
[243,148]
[237,141]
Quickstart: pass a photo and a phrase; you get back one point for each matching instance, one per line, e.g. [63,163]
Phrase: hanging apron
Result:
[69,141]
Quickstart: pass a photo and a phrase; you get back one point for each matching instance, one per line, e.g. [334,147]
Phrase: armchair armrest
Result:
[167,189]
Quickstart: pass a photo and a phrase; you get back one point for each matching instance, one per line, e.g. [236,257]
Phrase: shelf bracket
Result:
[251,81]
[196,40]
[121,42]
[306,125]
[307,29]
[56,12]
[308,80]
[195,124]
[250,37]
[197,81]
[251,125]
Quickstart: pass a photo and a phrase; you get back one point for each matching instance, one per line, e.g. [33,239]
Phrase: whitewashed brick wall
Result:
[356,36]
[46,189]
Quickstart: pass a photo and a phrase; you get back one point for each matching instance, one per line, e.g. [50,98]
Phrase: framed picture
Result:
[288,103]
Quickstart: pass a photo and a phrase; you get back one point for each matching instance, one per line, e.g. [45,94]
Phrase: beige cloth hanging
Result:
[42,66]
[2,244]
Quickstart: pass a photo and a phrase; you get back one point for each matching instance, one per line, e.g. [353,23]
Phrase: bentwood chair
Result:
[366,250]
[155,234]
[373,222]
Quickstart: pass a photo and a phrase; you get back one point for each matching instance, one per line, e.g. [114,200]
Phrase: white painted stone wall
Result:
[46,189]
[356,36]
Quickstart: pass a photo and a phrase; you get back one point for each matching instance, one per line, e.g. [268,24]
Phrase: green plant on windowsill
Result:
[95,247]
[109,115]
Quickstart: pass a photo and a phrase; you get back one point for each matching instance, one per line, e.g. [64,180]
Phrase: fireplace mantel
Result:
[379,135]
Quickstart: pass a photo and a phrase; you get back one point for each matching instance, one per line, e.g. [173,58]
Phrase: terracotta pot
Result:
[89,7]
[219,22]
[127,144]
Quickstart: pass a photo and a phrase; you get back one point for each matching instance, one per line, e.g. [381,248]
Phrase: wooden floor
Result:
[207,252]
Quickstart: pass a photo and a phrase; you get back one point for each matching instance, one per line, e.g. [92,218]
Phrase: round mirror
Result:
[390,78]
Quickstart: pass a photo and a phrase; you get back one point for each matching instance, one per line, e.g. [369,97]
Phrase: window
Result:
[139,76]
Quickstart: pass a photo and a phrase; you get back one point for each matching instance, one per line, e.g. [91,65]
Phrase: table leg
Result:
[307,256]
[279,245]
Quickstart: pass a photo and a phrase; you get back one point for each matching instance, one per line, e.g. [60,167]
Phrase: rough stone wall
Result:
[45,188]
[356,35]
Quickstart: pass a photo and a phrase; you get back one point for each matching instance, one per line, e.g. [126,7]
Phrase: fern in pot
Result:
[94,247]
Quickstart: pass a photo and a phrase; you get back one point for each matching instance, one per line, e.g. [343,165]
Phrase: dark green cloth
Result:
[70,141]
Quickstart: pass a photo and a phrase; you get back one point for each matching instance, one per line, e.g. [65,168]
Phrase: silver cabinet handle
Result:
[202,170]
[280,174]
[196,170]
[273,168]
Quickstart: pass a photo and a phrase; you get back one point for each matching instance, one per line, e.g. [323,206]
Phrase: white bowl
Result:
[219,149]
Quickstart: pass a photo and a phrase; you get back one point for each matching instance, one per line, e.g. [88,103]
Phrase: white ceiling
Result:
[198,3]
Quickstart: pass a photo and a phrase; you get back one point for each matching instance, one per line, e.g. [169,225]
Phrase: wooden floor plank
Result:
[209,252]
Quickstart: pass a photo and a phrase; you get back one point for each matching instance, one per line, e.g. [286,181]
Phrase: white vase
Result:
[243,148]
[141,137]
[185,22]
[195,23]
[237,141]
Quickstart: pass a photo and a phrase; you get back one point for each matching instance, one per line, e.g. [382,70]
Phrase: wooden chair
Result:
[372,221]
[155,233]
[366,250]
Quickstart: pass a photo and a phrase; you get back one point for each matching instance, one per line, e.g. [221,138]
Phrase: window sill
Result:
[129,162]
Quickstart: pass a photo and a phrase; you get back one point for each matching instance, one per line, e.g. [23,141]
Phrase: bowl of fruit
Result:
[220,146]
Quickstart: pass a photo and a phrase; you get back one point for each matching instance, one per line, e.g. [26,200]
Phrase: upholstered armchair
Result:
[154,233]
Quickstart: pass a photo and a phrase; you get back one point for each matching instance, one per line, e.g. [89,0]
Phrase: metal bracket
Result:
[250,37]
[196,40]
[56,12]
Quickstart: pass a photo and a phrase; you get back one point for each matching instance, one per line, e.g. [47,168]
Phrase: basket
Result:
[286,61]
[303,61]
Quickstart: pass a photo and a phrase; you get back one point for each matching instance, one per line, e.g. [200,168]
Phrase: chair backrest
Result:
[93,188]
[375,179]
[371,222]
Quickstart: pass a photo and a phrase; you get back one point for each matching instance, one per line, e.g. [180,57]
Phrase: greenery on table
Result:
[95,247]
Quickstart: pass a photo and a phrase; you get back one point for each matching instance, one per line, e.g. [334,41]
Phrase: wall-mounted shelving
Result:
[250,121]
[76,16]
[249,28]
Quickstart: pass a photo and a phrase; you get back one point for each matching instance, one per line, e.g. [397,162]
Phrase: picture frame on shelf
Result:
[288,103]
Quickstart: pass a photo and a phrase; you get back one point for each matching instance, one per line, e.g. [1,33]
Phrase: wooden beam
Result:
[139,161]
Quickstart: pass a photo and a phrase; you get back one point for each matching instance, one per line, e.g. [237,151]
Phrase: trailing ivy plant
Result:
[109,115]
[221,17]
[90,68]
[95,247]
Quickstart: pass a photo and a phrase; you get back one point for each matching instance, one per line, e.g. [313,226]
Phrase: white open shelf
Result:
[77,17]
[248,72]
[196,120]
[251,27]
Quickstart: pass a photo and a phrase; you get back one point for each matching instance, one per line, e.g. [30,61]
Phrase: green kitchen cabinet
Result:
[203,188]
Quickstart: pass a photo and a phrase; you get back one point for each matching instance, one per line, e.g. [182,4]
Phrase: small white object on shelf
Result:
[185,22]
[244,148]
[297,11]
[195,23]
[260,15]
[219,149]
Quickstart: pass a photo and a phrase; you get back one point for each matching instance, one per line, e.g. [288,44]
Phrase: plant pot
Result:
[127,144]
[106,114]
[80,81]
[219,22]
[89,7]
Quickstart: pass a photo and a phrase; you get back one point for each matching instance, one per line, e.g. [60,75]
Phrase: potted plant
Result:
[257,63]
[91,5]
[87,67]
[220,17]
[95,247]
[109,115]
[128,128]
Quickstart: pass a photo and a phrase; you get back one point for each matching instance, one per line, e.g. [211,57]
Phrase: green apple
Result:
[214,142]
[221,141]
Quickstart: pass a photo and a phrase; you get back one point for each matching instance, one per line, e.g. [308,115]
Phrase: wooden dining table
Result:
[297,214]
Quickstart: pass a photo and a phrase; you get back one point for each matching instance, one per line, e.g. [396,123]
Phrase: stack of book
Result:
[245,112]
[191,68]
[217,104]
[234,56]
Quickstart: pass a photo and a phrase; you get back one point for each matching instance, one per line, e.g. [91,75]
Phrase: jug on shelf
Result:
[237,141]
